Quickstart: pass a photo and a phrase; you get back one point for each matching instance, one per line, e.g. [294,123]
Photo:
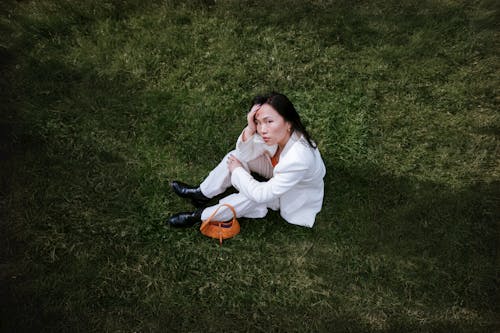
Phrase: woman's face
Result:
[271,126]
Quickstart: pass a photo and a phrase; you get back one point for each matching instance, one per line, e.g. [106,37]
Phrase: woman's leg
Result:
[243,206]
[219,179]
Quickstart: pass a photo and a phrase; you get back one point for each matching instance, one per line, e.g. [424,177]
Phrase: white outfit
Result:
[295,184]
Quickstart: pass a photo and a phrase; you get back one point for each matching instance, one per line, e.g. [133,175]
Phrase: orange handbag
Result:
[220,230]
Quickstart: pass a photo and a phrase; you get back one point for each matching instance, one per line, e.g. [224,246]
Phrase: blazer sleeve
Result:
[283,180]
[249,149]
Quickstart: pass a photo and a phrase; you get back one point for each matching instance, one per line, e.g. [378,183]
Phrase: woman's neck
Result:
[282,144]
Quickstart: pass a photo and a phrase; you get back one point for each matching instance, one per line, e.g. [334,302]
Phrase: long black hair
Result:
[285,108]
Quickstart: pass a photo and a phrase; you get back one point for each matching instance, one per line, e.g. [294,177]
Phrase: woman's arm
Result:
[249,145]
[251,127]
[283,180]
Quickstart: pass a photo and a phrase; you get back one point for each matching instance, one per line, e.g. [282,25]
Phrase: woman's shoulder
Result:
[299,150]
[301,144]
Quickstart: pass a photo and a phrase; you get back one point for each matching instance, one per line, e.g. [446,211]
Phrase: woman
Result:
[275,145]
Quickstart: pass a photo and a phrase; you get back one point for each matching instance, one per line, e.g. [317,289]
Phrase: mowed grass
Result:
[104,102]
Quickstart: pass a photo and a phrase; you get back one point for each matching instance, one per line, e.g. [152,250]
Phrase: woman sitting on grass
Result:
[275,145]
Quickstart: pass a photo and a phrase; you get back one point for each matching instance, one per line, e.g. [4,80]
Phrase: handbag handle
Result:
[215,212]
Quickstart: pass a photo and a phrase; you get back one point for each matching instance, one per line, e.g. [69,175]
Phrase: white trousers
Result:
[219,180]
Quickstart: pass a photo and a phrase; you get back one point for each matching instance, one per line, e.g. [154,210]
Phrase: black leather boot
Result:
[194,193]
[185,219]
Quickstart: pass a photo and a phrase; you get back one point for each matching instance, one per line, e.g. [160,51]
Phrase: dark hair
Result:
[285,108]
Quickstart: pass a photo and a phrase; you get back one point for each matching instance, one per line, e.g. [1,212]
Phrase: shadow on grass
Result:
[412,242]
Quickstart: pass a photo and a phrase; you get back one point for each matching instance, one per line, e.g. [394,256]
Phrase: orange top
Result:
[274,160]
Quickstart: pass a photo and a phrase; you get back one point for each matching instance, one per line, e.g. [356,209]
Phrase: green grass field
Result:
[104,102]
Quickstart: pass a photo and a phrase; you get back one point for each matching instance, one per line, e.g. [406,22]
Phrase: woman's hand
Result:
[251,116]
[233,163]
[251,127]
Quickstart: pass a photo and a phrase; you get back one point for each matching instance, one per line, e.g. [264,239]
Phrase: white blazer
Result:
[297,180]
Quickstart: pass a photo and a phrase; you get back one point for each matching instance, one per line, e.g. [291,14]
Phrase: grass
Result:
[104,102]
